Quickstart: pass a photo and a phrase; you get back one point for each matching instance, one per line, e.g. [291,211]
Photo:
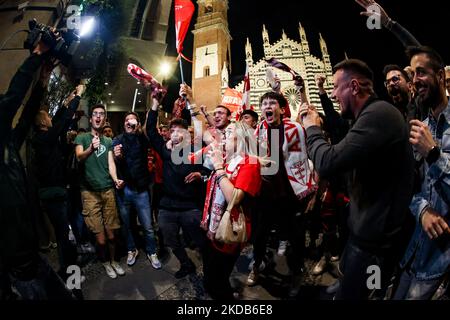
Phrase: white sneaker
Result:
[117,268]
[319,268]
[154,261]
[252,278]
[131,258]
[334,259]
[261,268]
[109,270]
[282,246]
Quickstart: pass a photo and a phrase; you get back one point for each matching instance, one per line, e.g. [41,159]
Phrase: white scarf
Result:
[299,168]
[215,204]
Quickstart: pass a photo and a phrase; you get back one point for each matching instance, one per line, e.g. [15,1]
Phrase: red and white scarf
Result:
[215,203]
[299,168]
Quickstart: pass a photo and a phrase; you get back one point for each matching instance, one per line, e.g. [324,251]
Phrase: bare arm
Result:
[113,171]
[198,116]
[227,188]
[82,154]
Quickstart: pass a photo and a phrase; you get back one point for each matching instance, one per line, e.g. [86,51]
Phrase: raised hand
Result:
[96,142]
[367,4]
[80,89]
[320,80]
[186,92]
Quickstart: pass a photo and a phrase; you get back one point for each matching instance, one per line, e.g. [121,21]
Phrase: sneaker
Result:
[282,246]
[109,270]
[332,289]
[261,268]
[295,285]
[252,278]
[131,258]
[86,248]
[334,259]
[154,261]
[117,268]
[184,271]
[320,266]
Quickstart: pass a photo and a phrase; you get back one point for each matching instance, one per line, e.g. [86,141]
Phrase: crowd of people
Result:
[372,179]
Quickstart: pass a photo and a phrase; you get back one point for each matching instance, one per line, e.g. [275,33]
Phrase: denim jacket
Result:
[431,258]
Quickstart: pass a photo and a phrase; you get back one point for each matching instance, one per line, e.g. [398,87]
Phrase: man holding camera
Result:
[20,263]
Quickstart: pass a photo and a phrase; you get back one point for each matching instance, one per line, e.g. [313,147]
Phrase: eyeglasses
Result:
[98,114]
[394,79]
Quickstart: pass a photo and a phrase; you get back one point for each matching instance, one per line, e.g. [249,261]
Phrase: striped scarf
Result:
[298,167]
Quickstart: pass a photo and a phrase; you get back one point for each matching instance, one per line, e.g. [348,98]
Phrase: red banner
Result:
[232,99]
[184,9]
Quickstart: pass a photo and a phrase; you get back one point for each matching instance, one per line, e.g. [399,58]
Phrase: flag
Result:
[184,9]
[245,95]
[299,82]
[280,65]
[232,99]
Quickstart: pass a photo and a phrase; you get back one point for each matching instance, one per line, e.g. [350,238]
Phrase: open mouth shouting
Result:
[269,116]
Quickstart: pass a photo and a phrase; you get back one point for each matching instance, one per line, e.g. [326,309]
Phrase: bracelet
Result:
[222,176]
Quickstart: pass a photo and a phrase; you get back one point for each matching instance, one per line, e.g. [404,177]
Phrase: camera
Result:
[62,48]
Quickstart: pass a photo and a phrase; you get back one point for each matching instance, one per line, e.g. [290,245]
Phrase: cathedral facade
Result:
[296,55]
[212,57]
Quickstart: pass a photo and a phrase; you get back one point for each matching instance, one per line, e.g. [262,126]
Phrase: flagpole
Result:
[134,101]
[182,80]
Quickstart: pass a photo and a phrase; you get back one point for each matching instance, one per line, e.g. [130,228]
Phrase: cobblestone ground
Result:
[142,282]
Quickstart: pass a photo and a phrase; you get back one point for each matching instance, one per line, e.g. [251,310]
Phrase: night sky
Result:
[340,24]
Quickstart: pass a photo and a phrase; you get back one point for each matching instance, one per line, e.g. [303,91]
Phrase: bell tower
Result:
[211,51]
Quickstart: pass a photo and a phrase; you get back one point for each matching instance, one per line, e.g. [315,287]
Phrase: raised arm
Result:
[198,116]
[405,37]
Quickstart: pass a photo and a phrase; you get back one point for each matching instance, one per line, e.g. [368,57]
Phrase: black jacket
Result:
[177,195]
[49,162]
[133,168]
[377,153]
[18,241]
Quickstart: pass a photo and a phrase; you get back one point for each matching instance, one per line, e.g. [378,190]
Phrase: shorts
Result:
[100,210]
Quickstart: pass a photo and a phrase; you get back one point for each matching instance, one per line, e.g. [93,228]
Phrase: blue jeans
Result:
[410,288]
[354,267]
[141,202]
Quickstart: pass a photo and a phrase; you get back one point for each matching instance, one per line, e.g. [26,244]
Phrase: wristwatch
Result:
[433,155]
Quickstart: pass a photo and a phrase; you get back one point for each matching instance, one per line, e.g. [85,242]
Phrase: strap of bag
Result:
[233,200]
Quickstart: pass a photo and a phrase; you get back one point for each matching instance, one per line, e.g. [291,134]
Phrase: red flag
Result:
[232,99]
[184,9]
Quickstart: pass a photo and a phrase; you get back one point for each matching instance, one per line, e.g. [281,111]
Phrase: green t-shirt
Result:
[94,171]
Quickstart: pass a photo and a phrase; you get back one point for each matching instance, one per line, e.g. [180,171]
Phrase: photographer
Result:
[20,263]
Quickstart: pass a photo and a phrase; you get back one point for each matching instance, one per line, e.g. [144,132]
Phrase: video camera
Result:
[62,48]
